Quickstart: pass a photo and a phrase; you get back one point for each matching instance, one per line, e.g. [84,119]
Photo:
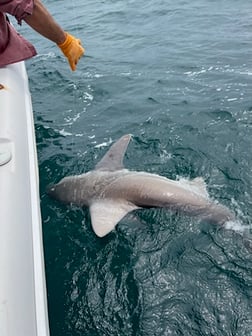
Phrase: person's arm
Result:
[42,22]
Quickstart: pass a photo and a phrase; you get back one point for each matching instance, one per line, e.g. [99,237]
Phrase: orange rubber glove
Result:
[72,49]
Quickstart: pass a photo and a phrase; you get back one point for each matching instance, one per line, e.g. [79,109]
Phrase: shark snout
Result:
[56,192]
[64,191]
[51,190]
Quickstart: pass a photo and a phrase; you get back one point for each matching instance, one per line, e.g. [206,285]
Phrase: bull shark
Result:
[111,192]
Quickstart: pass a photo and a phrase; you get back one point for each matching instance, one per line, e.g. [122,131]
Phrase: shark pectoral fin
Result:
[105,214]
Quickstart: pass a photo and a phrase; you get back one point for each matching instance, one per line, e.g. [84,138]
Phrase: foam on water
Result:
[238,226]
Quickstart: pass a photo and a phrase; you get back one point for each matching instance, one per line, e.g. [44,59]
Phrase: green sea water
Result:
[177,75]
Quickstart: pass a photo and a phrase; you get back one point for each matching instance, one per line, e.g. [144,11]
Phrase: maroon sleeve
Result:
[18,8]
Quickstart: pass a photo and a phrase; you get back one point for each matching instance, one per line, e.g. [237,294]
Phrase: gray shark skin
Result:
[111,191]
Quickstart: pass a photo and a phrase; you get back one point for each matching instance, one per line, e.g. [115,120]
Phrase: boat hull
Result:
[23,303]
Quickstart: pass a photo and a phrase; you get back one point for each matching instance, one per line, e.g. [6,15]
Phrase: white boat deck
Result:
[23,304]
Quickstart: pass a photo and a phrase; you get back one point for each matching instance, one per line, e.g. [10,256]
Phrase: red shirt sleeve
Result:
[18,8]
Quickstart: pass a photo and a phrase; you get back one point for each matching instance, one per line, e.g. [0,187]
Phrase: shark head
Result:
[66,191]
[70,190]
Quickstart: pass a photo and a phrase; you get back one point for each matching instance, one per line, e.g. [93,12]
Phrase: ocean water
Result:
[177,75]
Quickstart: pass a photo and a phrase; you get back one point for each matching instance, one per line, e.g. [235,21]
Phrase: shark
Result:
[111,191]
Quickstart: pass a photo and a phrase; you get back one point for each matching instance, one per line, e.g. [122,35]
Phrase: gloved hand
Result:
[72,49]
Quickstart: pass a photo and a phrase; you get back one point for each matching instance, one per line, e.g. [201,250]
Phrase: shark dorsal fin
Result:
[105,214]
[113,159]
[198,185]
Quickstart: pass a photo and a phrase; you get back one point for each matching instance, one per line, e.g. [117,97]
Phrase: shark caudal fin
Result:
[113,159]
